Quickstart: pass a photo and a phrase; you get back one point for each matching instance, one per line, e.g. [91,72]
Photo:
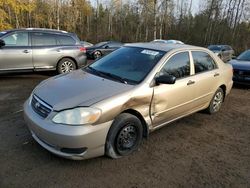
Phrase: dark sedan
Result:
[102,48]
[241,66]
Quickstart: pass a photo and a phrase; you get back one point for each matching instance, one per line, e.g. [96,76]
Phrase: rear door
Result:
[206,78]
[172,101]
[17,52]
[46,50]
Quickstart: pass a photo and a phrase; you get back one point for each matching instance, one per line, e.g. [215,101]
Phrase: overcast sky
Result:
[195,6]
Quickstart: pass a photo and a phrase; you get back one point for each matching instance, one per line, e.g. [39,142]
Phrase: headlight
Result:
[77,116]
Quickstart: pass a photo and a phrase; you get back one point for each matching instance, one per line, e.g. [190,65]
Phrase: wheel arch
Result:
[140,117]
[224,88]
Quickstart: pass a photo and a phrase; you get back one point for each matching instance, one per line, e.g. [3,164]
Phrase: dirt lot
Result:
[197,151]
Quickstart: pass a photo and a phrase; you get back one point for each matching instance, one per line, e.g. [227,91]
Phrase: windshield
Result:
[100,44]
[2,33]
[245,56]
[215,48]
[130,64]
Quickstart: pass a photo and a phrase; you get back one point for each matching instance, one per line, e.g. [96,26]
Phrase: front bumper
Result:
[89,54]
[56,137]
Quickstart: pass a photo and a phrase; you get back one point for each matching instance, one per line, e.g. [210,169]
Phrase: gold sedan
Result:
[110,105]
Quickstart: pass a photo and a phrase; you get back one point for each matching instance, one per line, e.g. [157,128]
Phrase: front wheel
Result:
[125,136]
[216,102]
[66,65]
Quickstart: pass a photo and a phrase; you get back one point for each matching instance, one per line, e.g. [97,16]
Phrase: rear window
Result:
[43,39]
[203,62]
[65,40]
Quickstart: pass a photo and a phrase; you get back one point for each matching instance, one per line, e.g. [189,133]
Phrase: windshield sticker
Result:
[150,52]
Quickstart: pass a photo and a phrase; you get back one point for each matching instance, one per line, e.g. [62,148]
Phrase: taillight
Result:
[82,49]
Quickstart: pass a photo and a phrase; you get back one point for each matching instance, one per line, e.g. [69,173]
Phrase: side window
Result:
[203,62]
[17,39]
[65,40]
[43,39]
[114,45]
[177,66]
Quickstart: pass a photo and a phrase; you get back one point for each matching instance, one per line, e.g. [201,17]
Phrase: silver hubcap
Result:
[67,66]
[218,99]
[98,54]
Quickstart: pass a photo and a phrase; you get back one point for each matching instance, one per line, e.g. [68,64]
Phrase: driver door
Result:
[17,53]
[172,101]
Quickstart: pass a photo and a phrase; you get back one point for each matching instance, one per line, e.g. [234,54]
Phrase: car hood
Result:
[239,64]
[78,88]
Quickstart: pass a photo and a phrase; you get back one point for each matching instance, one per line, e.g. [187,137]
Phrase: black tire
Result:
[124,137]
[97,54]
[216,102]
[66,65]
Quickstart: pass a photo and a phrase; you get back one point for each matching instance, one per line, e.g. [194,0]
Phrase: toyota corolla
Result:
[109,106]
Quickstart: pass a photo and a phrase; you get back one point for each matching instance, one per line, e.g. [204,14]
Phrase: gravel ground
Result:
[198,151]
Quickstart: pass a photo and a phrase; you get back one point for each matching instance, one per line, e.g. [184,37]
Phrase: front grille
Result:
[40,107]
[241,73]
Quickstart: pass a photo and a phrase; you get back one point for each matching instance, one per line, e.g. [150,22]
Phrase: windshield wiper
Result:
[120,79]
[109,75]
[94,70]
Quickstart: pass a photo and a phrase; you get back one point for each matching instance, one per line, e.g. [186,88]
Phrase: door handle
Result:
[190,82]
[216,74]
[26,51]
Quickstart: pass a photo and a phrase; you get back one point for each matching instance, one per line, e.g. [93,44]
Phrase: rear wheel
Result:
[216,102]
[66,65]
[125,136]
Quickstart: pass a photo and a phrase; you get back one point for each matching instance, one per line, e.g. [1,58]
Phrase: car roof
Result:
[38,29]
[162,46]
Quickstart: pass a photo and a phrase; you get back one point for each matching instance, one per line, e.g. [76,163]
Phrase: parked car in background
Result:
[40,49]
[102,48]
[241,66]
[86,44]
[225,52]
[168,41]
[110,105]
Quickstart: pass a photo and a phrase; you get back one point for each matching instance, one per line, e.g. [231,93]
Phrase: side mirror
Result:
[223,50]
[2,43]
[234,57]
[165,79]
[106,47]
